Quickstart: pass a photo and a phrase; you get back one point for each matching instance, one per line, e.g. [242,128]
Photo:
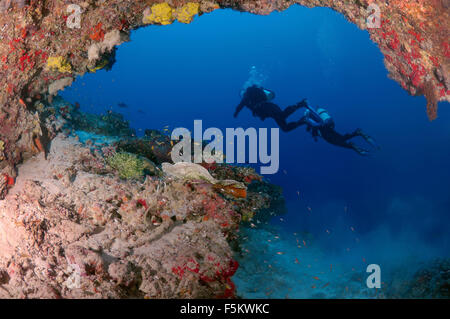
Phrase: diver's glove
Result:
[302,103]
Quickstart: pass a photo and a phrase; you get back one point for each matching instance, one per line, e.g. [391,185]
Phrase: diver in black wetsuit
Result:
[258,100]
[320,123]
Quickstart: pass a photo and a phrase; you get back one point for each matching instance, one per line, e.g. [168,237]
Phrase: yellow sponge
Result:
[161,13]
[186,13]
[59,63]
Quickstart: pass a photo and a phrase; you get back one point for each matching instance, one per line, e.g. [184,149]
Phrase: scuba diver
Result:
[257,99]
[320,123]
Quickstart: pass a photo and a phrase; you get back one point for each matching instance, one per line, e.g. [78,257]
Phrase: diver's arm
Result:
[310,122]
[239,108]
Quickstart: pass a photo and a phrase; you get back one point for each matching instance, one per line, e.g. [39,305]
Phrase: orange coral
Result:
[232,190]
[38,144]
[97,33]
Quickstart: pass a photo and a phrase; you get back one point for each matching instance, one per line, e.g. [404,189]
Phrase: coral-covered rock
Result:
[71,230]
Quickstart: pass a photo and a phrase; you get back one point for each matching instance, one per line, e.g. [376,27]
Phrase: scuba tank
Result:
[320,115]
[324,115]
[269,94]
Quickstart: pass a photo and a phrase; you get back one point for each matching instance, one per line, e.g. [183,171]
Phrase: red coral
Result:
[209,166]
[179,271]
[123,25]
[142,203]
[9,180]
[446,48]
[226,277]
[97,33]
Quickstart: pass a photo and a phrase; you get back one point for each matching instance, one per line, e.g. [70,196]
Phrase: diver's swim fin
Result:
[371,141]
[359,150]
[368,139]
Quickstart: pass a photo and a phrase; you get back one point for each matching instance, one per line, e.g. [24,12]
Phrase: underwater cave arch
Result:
[41,56]
[43,51]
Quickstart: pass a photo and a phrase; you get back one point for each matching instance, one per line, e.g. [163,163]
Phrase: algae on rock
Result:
[128,165]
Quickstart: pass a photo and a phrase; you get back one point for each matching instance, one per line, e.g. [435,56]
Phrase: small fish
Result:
[296,261]
[352,229]
[316,278]
[122,105]
[280,253]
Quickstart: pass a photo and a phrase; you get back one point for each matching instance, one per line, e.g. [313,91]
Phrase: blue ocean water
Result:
[391,208]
